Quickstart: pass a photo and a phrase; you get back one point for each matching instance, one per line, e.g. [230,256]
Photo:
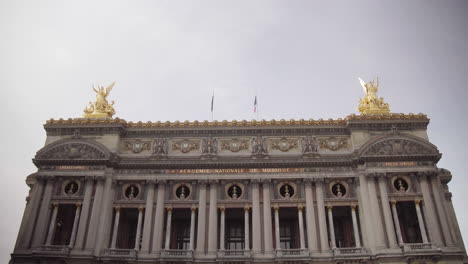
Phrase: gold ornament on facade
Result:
[100,108]
[371,104]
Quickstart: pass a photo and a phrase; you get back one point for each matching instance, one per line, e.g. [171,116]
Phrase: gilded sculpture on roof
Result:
[100,108]
[371,104]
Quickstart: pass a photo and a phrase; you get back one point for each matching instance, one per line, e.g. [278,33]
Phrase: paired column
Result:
[277,229]
[357,240]
[192,228]
[441,211]
[421,222]
[95,213]
[310,218]
[221,229]
[40,228]
[148,218]
[256,242]
[332,228]
[105,221]
[433,228]
[159,219]
[246,228]
[396,221]
[301,226]
[321,218]
[116,227]
[83,223]
[213,220]
[201,219]
[53,220]
[378,229]
[138,234]
[75,225]
[387,214]
[268,240]
[168,228]
[365,211]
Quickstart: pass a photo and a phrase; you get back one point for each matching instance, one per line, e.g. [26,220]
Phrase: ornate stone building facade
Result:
[361,189]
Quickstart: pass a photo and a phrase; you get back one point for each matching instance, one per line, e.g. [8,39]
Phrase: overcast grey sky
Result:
[302,58]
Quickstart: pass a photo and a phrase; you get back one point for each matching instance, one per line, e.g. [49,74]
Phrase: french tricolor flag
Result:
[255,105]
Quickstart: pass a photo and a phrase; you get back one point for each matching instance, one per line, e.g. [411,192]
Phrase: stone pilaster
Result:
[83,223]
[310,218]
[148,222]
[159,219]
[201,233]
[325,247]
[268,240]
[40,229]
[386,212]
[213,221]
[256,244]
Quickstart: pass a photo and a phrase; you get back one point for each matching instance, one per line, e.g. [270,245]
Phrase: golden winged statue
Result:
[371,104]
[100,108]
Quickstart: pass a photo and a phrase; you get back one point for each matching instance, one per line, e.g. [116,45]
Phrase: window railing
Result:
[234,253]
[350,251]
[417,246]
[121,252]
[182,253]
[296,252]
[55,249]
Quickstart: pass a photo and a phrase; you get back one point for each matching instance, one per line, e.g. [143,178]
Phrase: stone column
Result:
[332,228]
[421,222]
[321,218]
[95,212]
[374,203]
[387,214]
[75,225]
[192,228]
[168,228]
[365,213]
[277,229]
[246,228]
[256,242]
[221,229]
[138,234]
[397,223]
[431,216]
[159,219]
[116,227]
[310,218]
[355,226]
[44,212]
[105,221]
[213,220]
[148,222]
[83,223]
[52,224]
[301,226]
[30,213]
[441,211]
[268,240]
[201,219]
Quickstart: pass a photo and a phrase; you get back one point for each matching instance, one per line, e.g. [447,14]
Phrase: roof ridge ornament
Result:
[100,108]
[371,104]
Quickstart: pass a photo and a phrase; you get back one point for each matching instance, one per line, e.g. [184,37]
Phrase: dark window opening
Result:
[289,228]
[126,233]
[234,229]
[343,226]
[409,224]
[64,224]
[180,228]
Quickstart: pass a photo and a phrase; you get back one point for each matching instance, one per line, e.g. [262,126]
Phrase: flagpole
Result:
[212,106]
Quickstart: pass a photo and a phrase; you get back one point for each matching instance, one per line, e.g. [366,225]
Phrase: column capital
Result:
[169,209]
[202,182]
[213,182]
[246,208]
[417,202]
[117,208]
[151,182]
[140,209]
[161,182]
[300,207]
[78,205]
[393,202]
[193,208]
[255,181]
[54,204]
[276,207]
[353,207]
[263,181]
[330,207]
[222,208]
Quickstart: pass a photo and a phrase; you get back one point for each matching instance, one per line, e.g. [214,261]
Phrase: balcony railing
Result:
[349,251]
[296,252]
[121,252]
[177,253]
[54,249]
[229,253]
[418,247]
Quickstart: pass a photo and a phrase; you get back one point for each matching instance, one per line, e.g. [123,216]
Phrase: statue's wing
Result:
[94,89]
[363,84]
[109,88]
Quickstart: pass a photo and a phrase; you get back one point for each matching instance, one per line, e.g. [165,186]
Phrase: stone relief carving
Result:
[234,145]
[309,145]
[186,145]
[137,146]
[284,144]
[333,143]
[74,151]
[209,146]
[397,147]
[259,146]
[160,147]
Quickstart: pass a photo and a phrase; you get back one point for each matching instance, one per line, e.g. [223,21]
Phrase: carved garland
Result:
[397,147]
[73,151]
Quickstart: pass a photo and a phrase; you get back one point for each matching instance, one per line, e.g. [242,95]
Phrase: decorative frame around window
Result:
[234,190]
[71,187]
[131,191]
[182,191]
[339,189]
[286,190]
[401,184]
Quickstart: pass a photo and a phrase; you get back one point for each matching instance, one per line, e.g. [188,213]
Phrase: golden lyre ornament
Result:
[371,104]
[100,108]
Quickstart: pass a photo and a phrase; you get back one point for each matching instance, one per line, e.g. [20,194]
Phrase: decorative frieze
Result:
[333,143]
[137,146]
[284,144]
[234,145]
[186,145]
